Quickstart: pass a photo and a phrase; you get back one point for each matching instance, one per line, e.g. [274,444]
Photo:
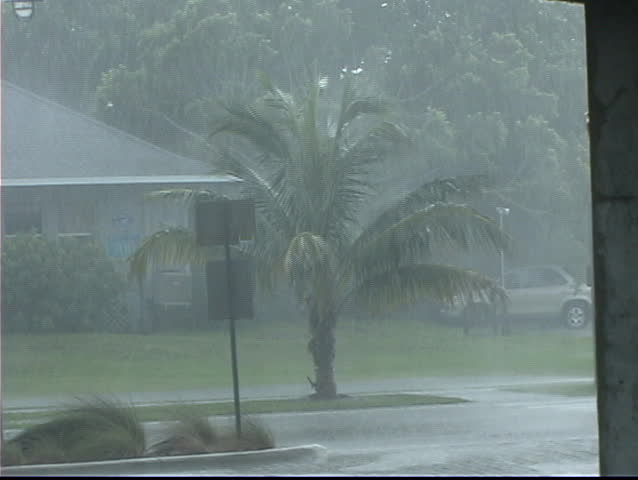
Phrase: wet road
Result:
[498,433]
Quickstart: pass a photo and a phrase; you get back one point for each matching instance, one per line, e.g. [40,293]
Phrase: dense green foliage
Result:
[194,433]
[97,429]
[492,86]
[64,286]
[101,429]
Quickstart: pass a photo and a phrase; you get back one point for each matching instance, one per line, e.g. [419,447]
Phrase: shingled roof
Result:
[43,139]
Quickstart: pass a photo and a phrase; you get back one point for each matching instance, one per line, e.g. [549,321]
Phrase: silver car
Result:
[535,291]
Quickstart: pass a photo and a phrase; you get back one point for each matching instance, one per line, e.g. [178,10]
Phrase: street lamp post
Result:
[23,9]
[502,211]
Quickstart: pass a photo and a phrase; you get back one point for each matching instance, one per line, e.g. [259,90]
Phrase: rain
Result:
[296,237]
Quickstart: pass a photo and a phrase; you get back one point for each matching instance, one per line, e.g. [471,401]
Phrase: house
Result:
[67,174]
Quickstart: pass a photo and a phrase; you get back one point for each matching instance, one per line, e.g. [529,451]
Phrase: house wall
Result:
[120,217]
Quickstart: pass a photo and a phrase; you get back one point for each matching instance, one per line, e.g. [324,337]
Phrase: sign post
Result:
[225,222]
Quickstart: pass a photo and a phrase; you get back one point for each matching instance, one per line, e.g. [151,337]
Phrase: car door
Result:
[538,291]
[515,282]
[552,287]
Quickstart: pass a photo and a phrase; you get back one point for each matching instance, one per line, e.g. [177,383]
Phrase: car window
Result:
[550,278]
[512,280]
[530,279]
[540,277]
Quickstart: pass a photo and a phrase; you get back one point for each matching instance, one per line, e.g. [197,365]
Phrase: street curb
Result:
[155,465]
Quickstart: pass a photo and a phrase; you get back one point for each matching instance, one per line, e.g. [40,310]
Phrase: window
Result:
[23,216]
[76,215]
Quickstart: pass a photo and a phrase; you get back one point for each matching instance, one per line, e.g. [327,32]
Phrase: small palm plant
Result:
[190,434]
[195,434]
[97,429]
[309,180]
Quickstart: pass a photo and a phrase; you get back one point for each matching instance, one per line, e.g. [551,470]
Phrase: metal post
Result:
[502,211]
[231,316]
[502,262]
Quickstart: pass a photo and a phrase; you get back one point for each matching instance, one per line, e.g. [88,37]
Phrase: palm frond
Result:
[280,101]
[265,81]
[312,177]
[309,264]
[359,107]
[174,245]
[284,104]
[452,188]
[344,193]
[348,95]
[354,105]
[412,238]
[440,190]
[460,226]
[309,136]
[413,283]
[272,199]
[267,253]
[252,123]
[306,252]
[346,184]
[376,144]
[276,97]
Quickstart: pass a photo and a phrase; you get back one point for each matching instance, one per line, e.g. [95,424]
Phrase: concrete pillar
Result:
[612,63]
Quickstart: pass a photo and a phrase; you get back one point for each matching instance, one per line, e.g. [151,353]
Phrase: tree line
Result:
[495,87]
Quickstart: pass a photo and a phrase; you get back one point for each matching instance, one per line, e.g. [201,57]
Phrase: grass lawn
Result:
[276,354]
[572,389]
[249,407]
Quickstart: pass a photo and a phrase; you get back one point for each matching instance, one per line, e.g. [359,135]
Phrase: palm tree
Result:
[309,180]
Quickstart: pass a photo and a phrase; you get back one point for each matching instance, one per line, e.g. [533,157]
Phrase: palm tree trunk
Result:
[322,348]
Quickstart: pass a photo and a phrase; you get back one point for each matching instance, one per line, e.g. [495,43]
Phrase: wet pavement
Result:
[497,433]
[511,434]
[471,387]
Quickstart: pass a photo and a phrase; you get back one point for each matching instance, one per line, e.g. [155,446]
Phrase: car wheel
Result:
[576,315]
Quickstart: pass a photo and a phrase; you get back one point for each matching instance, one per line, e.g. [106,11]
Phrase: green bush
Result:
[64,286]
[193,434]
[11,453]
[106,429]
[97,429]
